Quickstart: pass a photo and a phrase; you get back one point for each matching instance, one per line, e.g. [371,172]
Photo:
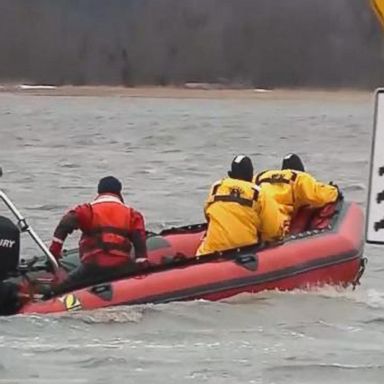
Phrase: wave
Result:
[376,320]
[355,187]
[336,366]
[45,207]
[370,297]
[95,362]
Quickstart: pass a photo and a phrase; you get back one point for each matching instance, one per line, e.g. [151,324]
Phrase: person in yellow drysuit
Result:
[292,188]
[238,212]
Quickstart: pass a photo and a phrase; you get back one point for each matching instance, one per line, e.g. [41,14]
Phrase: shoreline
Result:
[189,91]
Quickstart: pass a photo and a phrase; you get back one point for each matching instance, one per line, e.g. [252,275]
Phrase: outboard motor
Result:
[9,247]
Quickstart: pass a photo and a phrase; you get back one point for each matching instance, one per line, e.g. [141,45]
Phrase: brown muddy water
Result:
[168,151]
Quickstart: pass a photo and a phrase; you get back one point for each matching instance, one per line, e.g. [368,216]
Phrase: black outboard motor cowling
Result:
[9,247]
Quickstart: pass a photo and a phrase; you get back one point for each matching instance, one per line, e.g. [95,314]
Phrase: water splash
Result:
[371,297]
[108,315]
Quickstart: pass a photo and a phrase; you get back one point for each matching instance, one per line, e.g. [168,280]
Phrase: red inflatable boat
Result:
[326,247]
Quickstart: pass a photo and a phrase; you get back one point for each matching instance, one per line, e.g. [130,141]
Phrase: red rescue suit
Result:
[109,228]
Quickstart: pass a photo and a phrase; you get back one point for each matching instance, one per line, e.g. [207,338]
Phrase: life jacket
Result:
[293,190]
[280,184]
[231,211]
[230,190]
[285,176]
[107,241]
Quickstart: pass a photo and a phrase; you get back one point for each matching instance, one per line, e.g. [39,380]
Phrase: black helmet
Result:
[241,168]
[293,161]
[109,184]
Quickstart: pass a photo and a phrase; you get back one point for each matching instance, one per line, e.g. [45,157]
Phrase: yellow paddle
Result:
[378,7]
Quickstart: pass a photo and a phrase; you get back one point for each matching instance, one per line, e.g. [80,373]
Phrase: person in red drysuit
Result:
[109,230]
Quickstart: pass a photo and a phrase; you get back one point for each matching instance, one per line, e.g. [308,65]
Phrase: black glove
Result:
[340,195]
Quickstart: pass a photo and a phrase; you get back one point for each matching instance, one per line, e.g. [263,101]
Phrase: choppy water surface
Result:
[167,152]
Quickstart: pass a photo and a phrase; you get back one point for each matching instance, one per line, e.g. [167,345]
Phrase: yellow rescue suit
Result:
[378,7]
[294,189]
[239,214]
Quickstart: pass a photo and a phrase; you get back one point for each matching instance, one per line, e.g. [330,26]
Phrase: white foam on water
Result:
[370,297]
[108,315]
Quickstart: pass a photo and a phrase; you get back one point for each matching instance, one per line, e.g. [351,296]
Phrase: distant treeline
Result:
[259,43]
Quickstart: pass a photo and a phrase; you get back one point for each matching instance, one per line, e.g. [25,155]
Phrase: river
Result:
[167,150]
